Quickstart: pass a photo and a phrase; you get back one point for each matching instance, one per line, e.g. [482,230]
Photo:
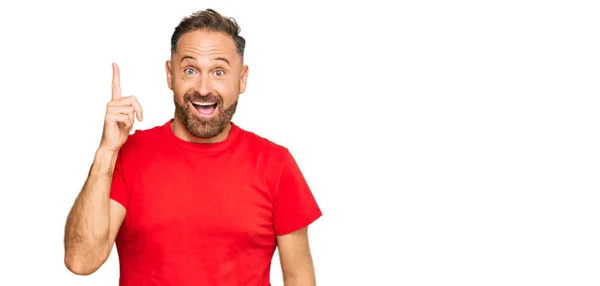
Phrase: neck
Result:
[182,133]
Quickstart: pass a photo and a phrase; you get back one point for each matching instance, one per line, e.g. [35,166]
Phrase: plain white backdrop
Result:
[447,142]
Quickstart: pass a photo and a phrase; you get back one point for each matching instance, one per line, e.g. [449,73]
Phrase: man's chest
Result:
[208,200]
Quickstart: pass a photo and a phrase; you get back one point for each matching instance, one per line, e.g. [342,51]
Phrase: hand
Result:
[119,117]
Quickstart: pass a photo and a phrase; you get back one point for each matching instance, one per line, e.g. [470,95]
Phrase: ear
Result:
[243,78]
[169,74]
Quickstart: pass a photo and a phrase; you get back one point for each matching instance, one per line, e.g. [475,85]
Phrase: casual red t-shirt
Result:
[205,214]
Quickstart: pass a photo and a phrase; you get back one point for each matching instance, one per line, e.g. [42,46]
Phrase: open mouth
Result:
[205,108]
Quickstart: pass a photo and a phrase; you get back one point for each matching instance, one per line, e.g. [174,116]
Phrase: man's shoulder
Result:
[144,137]
[263,143]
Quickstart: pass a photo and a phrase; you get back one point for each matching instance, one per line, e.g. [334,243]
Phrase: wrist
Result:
[104,162]
[103,153]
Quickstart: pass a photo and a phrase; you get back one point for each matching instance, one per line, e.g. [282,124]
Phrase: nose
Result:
[204,85]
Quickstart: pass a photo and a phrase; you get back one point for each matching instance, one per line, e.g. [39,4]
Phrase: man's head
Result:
[206,72]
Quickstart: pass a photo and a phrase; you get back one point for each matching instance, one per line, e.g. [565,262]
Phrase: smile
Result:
[205,108]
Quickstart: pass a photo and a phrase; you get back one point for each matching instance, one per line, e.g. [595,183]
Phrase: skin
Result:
[205,63]
[94,219]
[295,258]
[205,67]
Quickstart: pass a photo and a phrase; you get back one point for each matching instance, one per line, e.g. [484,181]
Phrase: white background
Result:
[447,142]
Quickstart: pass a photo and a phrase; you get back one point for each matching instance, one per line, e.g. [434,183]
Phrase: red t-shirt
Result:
[205,214]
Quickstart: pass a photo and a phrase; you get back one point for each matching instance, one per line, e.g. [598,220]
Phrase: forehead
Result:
[204,41]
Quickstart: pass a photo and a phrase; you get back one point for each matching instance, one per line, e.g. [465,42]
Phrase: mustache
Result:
[197,97]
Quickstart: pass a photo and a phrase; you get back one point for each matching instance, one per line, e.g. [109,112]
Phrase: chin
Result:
[204,133]
[205,129]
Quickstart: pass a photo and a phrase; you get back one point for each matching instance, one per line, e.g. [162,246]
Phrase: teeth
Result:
[204,103]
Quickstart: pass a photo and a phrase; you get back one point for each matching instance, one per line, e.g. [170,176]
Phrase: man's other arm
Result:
[296,259]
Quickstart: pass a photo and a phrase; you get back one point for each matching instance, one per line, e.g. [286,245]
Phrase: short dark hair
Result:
[212,20]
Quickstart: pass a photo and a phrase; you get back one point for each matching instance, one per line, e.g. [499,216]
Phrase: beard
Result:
[204,128]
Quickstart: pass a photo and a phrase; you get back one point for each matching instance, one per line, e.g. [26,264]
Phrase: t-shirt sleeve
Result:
[118,188]
[295,204]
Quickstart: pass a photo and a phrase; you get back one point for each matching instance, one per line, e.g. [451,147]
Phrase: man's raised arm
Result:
[94,219]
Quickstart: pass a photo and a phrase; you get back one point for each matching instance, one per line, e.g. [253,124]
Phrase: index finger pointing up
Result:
[116,82]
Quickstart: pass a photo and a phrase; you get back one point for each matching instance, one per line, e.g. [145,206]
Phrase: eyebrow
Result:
[216,59]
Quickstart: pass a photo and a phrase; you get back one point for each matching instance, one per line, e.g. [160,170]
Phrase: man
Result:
[198,200]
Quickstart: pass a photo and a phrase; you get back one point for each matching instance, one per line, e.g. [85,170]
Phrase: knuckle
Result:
[126,100]
[121,102]
[134,100]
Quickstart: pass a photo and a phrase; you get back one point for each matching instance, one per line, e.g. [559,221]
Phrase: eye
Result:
[219,73]
[189,71]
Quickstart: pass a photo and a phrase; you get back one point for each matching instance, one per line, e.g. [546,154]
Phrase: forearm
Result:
[305,279]
[88,224]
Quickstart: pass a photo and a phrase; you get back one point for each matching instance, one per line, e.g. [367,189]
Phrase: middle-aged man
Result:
[197,200]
